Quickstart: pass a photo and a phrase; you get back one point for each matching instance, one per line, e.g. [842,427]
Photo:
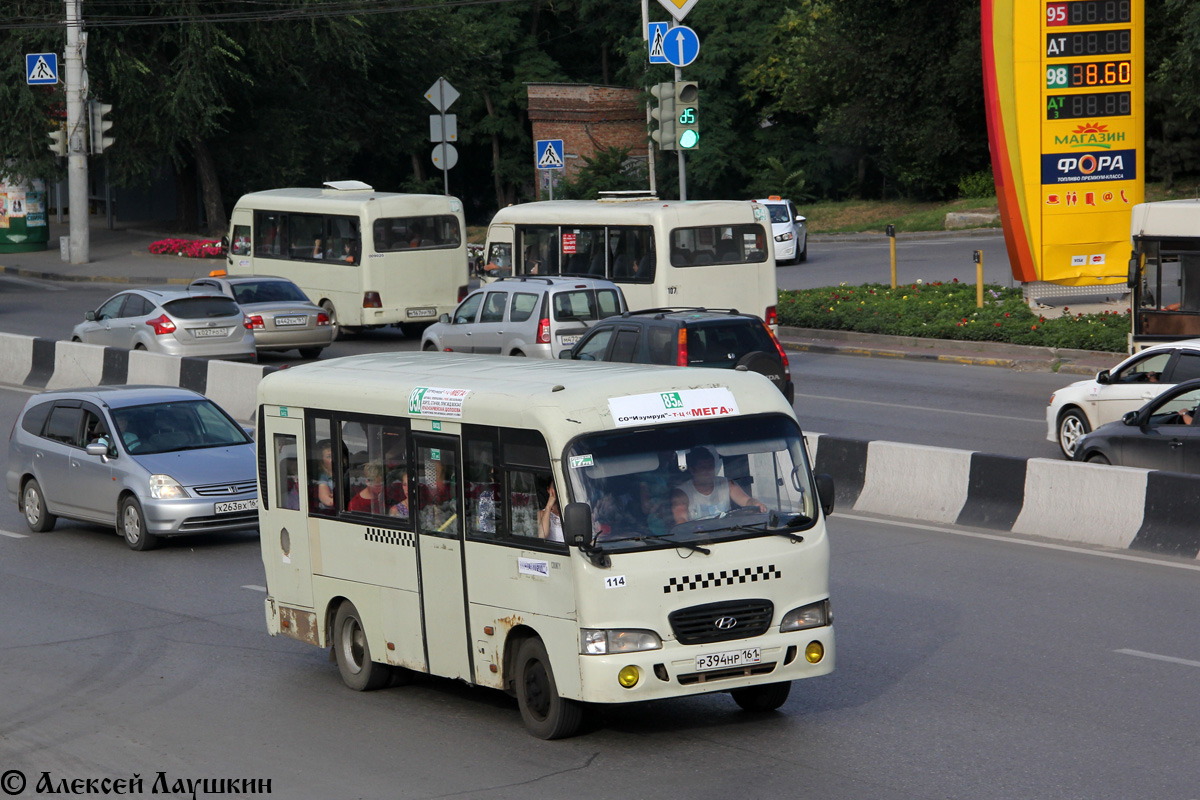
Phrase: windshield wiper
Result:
[644,538]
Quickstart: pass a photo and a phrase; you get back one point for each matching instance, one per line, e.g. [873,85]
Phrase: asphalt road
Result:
[859,259]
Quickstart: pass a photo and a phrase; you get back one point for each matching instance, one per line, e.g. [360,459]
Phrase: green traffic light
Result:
[689,139]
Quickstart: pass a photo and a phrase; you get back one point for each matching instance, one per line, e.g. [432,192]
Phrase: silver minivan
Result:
[525,316]
[153,461]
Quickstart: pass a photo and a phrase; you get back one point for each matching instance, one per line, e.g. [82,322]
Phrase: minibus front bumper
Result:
[672,670]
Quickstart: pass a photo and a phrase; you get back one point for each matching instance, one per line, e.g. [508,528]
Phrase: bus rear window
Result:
[416,233]
[718,244]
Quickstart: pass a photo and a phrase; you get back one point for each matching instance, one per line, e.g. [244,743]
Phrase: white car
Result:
[1086,405]
[789,229]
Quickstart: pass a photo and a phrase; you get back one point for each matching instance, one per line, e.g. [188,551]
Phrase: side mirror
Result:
[96,449]
[225,242]
[1102,376]
[825,492]
[564,353]
[444,319]
[577,523]
[1130,418]
[1132,280]
[89,316]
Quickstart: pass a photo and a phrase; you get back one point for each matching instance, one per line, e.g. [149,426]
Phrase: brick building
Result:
[588,118]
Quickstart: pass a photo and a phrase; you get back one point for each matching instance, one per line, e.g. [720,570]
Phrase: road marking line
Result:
[252,587]
[12,535]
[1156,657]
[1013,540]
[1040,420]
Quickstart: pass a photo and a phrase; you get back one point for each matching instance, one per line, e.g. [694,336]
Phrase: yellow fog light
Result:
[814,652]
[628,676]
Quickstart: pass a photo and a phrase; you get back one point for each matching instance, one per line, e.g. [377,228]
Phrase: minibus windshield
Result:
[693,483]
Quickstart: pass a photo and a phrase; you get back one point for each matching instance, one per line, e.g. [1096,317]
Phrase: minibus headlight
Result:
[598,642]
[813,615]
[164,487]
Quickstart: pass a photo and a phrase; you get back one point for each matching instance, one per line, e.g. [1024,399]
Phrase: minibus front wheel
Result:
[545,713]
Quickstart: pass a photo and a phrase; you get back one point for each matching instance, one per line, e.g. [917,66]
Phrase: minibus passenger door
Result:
[283,512]
[437,480]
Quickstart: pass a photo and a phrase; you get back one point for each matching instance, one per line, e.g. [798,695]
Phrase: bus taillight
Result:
[371,300]
[462,293]
[771,317]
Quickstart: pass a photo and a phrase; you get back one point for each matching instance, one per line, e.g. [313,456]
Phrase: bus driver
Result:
[706,495]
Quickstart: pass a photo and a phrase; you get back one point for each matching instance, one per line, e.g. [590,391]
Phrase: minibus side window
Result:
[632,254]
[508,479]
[376,481]
[270,234]
[433,232]
[323,463]
[287,472]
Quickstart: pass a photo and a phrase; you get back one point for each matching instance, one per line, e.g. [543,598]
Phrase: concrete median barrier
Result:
[1114,507]
[47,364]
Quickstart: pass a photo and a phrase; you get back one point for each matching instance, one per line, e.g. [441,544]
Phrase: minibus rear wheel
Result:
[545,713]
[767,697]
[353,653]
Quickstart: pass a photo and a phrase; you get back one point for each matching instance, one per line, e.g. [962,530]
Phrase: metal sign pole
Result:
[682,159]
[442,111]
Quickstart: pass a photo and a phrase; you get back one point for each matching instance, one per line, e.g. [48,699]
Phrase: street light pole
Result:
[77,149]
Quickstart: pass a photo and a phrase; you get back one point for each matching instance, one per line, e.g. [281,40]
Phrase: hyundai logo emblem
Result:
[725,623]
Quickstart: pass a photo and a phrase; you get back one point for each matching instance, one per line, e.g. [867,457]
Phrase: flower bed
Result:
[947,311]
[191,248]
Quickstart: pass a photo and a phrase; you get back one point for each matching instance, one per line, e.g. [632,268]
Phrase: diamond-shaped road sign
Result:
[441,94]
[678,8]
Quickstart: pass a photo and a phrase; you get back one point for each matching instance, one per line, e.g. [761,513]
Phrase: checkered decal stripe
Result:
[726,577]
[385,536]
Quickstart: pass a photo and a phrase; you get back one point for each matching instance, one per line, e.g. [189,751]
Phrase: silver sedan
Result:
[280,314]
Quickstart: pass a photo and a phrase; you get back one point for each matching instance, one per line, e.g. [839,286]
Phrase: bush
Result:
[977,185]
[947,311]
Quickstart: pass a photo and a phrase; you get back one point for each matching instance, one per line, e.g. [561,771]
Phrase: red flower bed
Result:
[191,248]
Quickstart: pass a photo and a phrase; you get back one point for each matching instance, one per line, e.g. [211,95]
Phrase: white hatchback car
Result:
[1084,406]
[789,228]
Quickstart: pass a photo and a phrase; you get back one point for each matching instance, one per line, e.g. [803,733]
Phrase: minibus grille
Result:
[721,622]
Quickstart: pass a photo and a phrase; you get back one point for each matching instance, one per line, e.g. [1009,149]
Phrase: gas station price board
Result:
[1064,87]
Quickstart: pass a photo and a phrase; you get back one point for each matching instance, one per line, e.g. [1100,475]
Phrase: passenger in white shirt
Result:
[706,495]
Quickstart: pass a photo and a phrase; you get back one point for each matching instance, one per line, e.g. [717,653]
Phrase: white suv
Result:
[789,228]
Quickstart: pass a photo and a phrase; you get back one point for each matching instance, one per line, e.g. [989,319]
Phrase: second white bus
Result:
[368,258]
[568,532]
[662,253]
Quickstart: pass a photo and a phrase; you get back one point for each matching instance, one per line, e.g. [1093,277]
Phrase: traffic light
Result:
[687,105]
[98,126]
[664,134]
[58,142]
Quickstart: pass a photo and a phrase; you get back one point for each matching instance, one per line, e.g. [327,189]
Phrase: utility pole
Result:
[77,144]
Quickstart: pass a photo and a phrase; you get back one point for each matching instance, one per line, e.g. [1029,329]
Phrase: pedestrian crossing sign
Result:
[41,68]
[550,154]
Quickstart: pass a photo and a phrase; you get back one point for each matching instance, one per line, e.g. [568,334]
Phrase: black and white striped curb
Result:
[48,364]
[1116,507]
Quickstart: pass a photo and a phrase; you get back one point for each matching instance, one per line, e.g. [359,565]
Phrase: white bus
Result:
[1164,272]
[369,258]
[713,253]
[567,532]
